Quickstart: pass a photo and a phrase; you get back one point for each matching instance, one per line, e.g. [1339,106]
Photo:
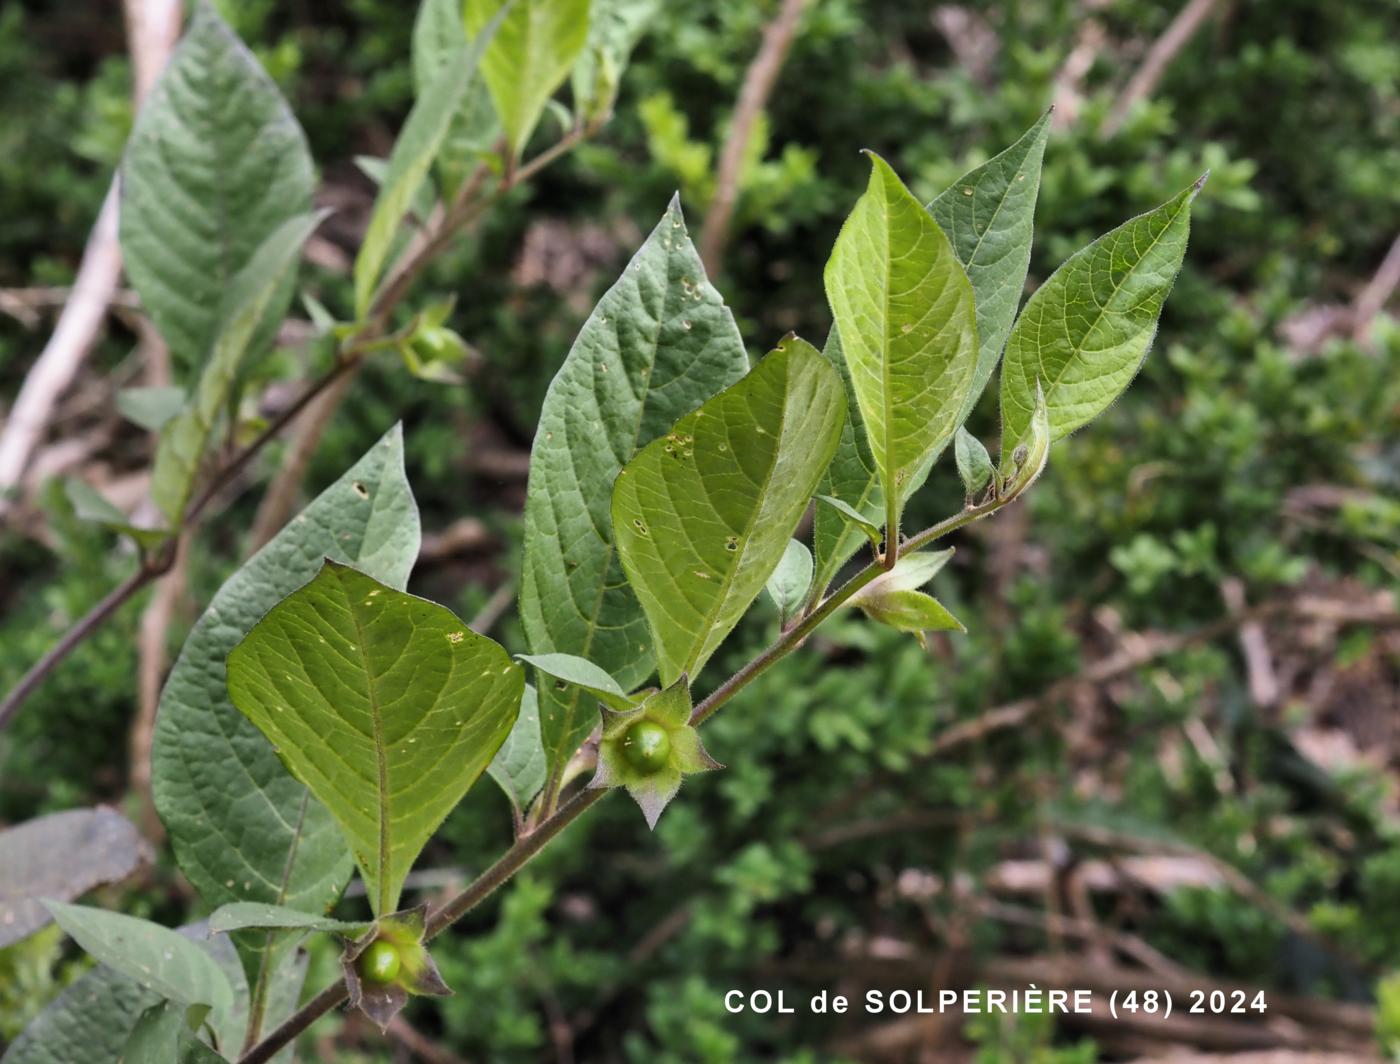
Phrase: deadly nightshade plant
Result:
[321,720]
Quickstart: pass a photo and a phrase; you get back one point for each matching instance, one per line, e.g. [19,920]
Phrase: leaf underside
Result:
[242,828]
[906,316]
[1086,330]
[703,515]
[386,705]
[658,343]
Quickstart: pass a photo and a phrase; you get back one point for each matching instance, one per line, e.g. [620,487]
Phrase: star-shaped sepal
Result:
[389,964]
[649,748]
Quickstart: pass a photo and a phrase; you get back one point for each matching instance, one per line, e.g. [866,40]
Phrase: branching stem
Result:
[527,846]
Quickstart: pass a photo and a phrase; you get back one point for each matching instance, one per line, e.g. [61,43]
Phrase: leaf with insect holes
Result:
[659,343]
[62,855]
[989,217]
[703,515]
[1086,330]
[904,308]
[186,437]
[215,165]
[242,828]
[531,55]
[384,704]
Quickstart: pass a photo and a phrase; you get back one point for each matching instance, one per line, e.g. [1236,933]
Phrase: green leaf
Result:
[241,827]
[530,57]
[974,463]
[438,33]
[242,915]
[703,515]
[184,440]
[215,165]
[579,672]
[911,611]
[1085,331]
[892,598]
[519,766]
[92,1020]
[988,215]
[91,506]
[852,481]
[161,960]
[62,855]
[853,518]
[150,408]
[163,1033]
[614,28]
[89,1022]
[414,152]
[905,311]
[1028,459]
[659,343]
[386,705]
[791,580]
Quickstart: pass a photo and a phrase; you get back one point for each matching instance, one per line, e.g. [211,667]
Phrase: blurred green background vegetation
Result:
[1256,460]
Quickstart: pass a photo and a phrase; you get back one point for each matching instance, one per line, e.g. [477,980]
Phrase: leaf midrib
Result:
[381,760]
[746,538]
[1078,350]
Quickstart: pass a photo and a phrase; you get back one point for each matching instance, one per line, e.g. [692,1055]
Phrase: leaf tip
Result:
[1200,183]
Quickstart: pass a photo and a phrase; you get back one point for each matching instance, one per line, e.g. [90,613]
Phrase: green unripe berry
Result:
[379,963]
[647,746]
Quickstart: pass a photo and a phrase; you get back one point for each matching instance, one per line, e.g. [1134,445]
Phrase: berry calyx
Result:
[647,746]
[379,963]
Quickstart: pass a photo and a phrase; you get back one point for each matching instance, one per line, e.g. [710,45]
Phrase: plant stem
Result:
[466,207]
[150,569]
[527,846]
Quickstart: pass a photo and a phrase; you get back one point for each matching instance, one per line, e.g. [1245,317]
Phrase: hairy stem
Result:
[527,846]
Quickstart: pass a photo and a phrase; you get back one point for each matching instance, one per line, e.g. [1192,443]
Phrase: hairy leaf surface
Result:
[1086,330]
[215,165]
[905,311]
[703,515]
[242,828]
[386,705]
[529,58]
[659,343]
